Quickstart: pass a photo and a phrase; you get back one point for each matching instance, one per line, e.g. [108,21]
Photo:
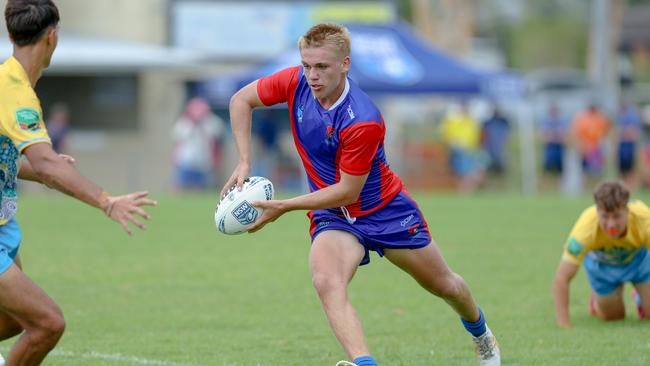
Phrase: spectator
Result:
[554,127]
[590,128]
[494,138]
[629,133]
[197,135]
[461,133]
[645,133]
[58,126]
[265,128]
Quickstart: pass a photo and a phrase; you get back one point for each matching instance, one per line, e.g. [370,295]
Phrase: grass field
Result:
[182,294]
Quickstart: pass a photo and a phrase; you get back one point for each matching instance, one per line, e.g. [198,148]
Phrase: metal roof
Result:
[87,54]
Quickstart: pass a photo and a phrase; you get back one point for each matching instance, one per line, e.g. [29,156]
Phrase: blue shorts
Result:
[606,278]
[192,178]
[463,162]
[10,238]
[398,225]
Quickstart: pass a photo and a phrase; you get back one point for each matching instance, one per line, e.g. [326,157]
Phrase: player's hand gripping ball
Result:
[235,213]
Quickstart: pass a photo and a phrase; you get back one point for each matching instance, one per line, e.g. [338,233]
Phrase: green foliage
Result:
[181,293]
[540,42]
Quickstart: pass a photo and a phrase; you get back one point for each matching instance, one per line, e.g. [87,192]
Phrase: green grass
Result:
[183,294]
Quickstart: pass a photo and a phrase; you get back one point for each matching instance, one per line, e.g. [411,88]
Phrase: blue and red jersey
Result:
[347,137]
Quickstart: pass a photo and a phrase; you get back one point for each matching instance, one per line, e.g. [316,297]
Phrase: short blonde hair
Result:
[327,34]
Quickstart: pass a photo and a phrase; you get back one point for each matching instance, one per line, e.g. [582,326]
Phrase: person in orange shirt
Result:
[590,129]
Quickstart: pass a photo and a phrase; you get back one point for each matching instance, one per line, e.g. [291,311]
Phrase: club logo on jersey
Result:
[245,213]
[329,132]
[28,119]
[300,112]
[413,229]
[574,247]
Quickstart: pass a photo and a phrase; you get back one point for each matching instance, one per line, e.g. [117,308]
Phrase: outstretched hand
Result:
[123,208]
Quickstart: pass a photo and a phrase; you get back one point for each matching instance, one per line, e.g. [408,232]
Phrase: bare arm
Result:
[345,192]
[241,112]
[563,276]
[26,171]
[45,166]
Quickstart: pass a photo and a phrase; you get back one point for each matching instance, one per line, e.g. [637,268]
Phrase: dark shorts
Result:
[626,156]
[553,157]
[398,225]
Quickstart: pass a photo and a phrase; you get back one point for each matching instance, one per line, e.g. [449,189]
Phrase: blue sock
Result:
[478,327]
[365,361]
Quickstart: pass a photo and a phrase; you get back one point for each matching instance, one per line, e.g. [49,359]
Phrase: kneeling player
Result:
[612,239]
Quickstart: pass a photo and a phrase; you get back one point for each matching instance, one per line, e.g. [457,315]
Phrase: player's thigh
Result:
[644,292]
[425,264]
[611,306]
[335,254]
[24,301]
[8,325]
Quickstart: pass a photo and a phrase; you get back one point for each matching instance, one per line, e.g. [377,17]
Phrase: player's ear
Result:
[346,64]
[52,35]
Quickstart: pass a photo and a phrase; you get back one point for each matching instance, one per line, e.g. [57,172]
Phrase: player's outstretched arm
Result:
[241,108]
[26,171]
[563,276]
[56,172]
[342,193]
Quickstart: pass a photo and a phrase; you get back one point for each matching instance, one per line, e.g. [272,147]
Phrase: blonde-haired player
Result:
[357,203]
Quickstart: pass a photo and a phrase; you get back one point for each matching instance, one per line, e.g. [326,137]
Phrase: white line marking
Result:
[118,357]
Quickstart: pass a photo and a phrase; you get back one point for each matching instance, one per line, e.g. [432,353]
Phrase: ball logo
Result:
[245,213]
[268,191]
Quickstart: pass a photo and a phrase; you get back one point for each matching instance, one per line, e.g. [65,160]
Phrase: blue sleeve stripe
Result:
[25,143]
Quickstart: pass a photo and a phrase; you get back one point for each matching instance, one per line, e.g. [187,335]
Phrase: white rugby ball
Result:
[235,213]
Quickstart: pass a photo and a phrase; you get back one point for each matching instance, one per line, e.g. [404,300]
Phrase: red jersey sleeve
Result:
[359,146]
[277,88]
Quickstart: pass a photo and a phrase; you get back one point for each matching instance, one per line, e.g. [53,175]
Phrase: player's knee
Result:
[326,283]
[49,330]
[451,287]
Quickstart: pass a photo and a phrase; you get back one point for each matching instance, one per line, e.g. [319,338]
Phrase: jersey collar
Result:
[346,90]
[17,70]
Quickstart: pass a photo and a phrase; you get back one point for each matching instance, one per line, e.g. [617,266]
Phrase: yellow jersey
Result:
[588,238]
[21,125]
[461,131]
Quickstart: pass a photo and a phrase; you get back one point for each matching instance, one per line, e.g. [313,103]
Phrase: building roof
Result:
[98,55]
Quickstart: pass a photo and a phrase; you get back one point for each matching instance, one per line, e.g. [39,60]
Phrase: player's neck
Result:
[31,59]
[331,99]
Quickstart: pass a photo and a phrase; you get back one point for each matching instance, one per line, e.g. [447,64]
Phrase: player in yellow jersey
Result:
[612,239]
[24,307]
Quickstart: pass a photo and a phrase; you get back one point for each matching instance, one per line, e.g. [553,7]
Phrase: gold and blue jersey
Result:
[21,125]
[587,237]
